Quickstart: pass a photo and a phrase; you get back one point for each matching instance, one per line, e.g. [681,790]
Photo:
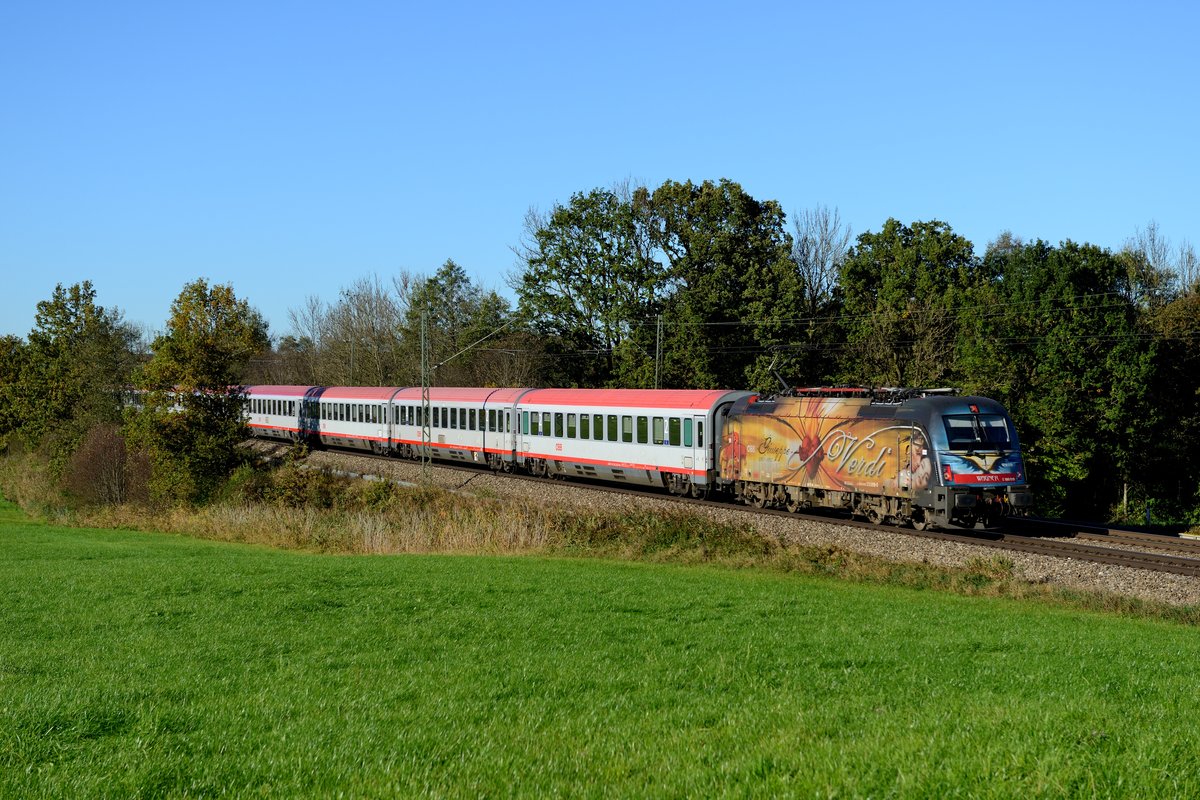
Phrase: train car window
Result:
[545,423]
[584,427]
[571,427]
[525,422]
[437,417]
[626,428]
[508,422]
[445,417]
[977,432]
[471,417]
[558,424]
[612,428]
[658,430]
[699,433]
[537,423]
[673,431]
[598,426]
[642,430]
[687,433]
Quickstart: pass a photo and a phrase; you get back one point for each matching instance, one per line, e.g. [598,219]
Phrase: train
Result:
[906,456]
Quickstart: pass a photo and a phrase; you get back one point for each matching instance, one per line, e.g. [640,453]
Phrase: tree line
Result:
[683,286]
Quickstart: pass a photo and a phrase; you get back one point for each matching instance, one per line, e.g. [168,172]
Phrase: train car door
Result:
[694,429]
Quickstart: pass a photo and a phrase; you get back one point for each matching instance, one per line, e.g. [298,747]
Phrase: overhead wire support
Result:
[426,431]
[427,371]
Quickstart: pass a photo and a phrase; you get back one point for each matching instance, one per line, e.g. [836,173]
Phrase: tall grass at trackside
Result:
[299,509]
[138,665]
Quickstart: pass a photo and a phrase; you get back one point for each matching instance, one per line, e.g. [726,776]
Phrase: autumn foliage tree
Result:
[190,420]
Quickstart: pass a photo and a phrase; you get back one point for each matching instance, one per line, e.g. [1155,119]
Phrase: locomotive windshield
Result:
[977,432]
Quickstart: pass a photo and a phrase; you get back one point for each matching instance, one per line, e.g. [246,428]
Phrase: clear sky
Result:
[293,148]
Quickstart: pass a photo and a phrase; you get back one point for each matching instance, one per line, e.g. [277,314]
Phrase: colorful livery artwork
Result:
[927,459]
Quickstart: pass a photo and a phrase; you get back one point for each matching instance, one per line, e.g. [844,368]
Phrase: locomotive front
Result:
[979,475]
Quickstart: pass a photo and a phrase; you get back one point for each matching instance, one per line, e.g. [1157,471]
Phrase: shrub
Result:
[96,473]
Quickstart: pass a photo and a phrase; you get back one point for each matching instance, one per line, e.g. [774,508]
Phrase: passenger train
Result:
[909,456]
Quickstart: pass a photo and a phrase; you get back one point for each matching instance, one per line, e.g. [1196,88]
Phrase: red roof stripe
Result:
[280,391]
[628,398]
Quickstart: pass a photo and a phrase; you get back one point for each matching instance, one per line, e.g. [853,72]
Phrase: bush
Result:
[95,472]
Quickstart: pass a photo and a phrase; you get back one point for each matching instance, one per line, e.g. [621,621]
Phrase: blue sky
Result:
[293,148]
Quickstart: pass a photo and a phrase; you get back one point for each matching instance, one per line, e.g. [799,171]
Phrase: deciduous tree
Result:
[190,422]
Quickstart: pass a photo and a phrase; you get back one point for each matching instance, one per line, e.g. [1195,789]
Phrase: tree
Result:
[1053,334]
[819,248]
[190,421]
[1172,473]
[900,288]
[472,332]
[12,359]
[733,290]
[589,284]
[72,373]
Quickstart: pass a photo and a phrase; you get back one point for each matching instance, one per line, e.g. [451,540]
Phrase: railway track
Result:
[1053,538]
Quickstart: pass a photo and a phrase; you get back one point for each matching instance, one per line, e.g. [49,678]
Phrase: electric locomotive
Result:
[925,457]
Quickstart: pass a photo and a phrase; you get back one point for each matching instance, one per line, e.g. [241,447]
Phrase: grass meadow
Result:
[148,665]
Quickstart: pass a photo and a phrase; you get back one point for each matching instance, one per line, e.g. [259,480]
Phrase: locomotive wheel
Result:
[758,498]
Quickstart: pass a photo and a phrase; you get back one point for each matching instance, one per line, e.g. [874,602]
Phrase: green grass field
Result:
[136,664]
